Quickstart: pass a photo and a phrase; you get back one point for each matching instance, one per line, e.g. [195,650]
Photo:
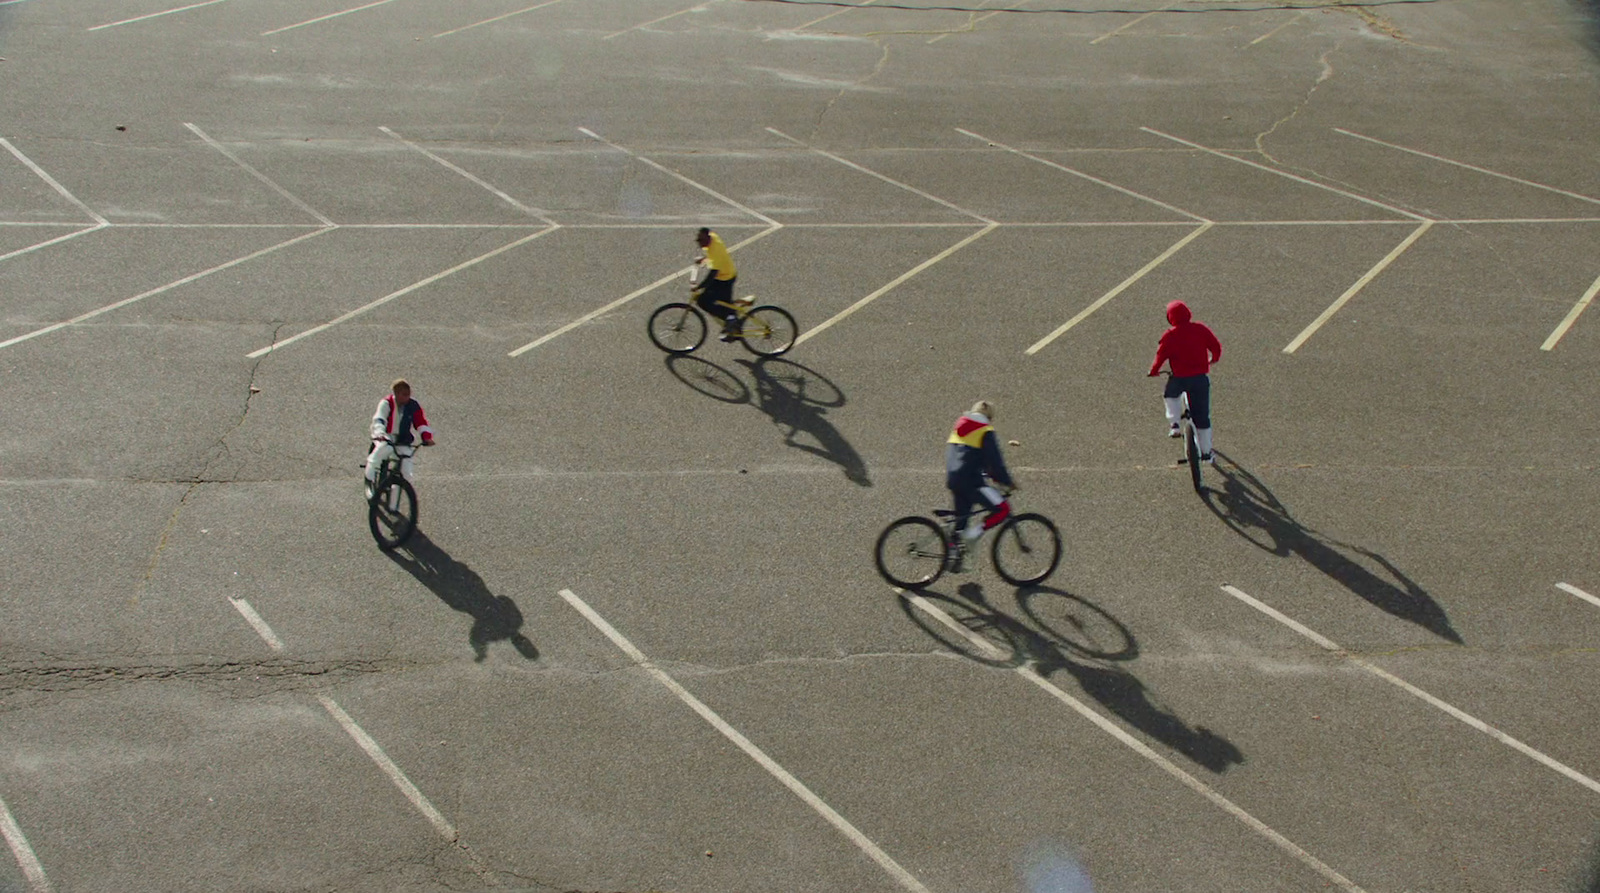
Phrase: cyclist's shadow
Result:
[794,397]
[1250,509]
[495,618]
[1065,632]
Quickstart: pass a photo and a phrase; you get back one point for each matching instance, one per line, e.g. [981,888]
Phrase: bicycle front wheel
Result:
[677,328]
[911,552]
[392,513]
[768,331]
[1191,447]
[1026,549]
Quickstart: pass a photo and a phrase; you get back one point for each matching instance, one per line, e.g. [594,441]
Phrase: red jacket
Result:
[1189,346]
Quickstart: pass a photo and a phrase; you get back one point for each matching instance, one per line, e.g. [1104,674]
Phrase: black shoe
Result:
[726,337]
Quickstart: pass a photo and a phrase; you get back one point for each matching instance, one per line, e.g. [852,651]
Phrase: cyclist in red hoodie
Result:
[1189,348]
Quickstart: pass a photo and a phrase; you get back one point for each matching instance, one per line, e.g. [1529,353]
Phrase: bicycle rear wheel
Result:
[1191,448]
[677,328]
[768,331]
[392,513]
[1027,549]
[911,552]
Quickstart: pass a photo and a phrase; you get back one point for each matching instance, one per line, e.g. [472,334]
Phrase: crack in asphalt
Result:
[274,674]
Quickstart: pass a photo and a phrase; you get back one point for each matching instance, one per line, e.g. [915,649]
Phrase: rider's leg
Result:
[1174,405]
[1199,389]
[406,470]
[375,459]
[999,510]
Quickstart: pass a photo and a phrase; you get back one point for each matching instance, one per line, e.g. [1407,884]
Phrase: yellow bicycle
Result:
[765,330]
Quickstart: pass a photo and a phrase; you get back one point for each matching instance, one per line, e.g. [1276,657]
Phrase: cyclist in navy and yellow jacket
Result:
[972,459]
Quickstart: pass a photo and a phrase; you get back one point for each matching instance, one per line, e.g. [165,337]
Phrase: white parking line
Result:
[818,329]
[497,18]
[259,175]
[1030,673]
[40,172]
[901,876]
[1285,174]
[1573,590]
[680,177]
[168,287]
[411,791]
[48,242]
[1572,316]
[1467,718]
[1361,283]
[1077,173]
[26,860]
[890,180]
[654,21]
[531,212]
[154,15]
[1286,24]
[256,623]
[601,311]
[395,294]
[1121,286]
[332,15]
[1470,167]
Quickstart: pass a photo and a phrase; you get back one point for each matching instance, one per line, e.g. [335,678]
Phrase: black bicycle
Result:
[765,330]
[914,551]
[391,501]
[1191,444]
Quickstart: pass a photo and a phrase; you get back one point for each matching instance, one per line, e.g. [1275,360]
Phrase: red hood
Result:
[1178,313]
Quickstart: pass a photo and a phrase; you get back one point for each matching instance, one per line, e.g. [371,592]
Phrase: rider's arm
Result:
[1161,356]
[1213,345]
[380,420]
[419,423]
[993,462]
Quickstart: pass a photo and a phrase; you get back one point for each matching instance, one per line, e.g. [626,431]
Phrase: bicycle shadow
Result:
[1251,510]
[1090,653]
[795,397]
[495,618]
[798,398]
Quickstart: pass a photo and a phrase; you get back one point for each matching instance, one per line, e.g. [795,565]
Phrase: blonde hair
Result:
[983,408]
[400,383]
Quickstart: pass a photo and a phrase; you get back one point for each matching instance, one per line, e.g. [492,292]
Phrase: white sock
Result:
[1203,437]
[1174,409]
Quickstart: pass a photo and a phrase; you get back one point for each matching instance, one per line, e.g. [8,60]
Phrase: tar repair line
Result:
[276,345]
[989,226]
[155,15]
[1573,590]
[1122,286]
[26,860]
[497,18]
[40,172]
[1470,167]
[1092,179]
[531,212]
[772,227]
[259,175]
[795,785]
[1353,290]
[1028,672]
[1572,317]
[366,742]
[1463,716]
[332,15]
[168,287]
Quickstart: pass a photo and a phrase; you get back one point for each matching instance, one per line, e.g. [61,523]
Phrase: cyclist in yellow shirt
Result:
[718,283]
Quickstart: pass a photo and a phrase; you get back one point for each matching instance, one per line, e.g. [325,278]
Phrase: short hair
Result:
[983,408]
[400,384]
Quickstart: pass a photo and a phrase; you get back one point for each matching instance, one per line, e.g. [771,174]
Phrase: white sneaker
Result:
[1174,432]
[1209,459]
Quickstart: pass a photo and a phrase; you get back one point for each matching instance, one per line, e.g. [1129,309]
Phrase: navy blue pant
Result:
[715,290]
[986,497]
[1198,387]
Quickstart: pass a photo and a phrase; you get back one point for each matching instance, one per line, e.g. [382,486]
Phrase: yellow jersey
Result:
[720,261]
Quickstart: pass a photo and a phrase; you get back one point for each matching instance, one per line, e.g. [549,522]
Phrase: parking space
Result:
[639,642]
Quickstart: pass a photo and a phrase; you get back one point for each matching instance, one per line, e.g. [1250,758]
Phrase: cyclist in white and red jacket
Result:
[399,422]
